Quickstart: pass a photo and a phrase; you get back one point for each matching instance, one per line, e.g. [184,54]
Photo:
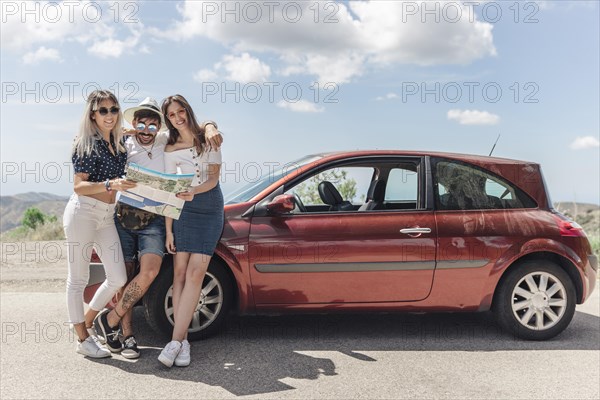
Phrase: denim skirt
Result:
[200,224]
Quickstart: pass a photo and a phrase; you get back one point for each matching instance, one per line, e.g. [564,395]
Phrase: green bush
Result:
[33,217]
[36,226]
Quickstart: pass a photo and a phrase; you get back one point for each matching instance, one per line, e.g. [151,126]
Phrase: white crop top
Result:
[187,161]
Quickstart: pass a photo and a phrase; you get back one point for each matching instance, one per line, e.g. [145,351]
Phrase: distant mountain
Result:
[12,208]
[571,208]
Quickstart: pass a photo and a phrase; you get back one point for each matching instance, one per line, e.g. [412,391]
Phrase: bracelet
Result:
[107,185]
[211,123]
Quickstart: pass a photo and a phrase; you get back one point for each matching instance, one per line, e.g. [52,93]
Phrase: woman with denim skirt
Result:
[99,161]
[193,237]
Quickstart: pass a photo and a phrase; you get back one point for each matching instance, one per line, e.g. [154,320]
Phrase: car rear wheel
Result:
[535,301]
[210,313]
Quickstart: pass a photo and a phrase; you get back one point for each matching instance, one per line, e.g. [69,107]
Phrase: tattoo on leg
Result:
[133,293]
[126,326]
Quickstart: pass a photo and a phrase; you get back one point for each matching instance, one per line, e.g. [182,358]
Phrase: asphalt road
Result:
[346,356]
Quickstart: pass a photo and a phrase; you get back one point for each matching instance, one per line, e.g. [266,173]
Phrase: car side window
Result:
[402,186]
[464,187]
[335,189]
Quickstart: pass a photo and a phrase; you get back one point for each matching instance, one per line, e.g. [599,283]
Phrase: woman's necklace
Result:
[146,150]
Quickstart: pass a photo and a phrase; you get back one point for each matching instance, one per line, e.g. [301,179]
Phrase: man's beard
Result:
[144,139]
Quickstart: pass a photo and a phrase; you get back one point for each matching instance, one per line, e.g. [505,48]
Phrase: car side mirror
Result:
[281,204]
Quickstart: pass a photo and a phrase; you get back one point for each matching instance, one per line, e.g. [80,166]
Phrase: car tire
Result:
[535,300]
[213,307]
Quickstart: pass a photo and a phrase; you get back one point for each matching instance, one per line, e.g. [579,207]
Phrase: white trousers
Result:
[89,224]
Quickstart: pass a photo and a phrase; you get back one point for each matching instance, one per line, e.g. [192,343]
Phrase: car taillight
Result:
[568,227]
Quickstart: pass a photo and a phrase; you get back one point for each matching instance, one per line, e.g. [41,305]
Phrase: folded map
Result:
[155,191]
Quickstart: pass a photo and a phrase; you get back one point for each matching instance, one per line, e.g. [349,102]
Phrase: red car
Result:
[392,230]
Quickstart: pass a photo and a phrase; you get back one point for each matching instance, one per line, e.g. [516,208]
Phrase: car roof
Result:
[525,174]
[479,159]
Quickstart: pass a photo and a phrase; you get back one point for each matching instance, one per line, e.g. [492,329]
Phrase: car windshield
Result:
[247,192]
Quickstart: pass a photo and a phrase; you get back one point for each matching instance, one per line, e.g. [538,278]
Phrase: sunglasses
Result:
[114,110]
[152,128]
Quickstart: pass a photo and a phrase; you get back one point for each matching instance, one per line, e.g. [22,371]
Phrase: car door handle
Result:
[415,231]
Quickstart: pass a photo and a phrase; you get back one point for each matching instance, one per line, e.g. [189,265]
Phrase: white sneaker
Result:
[183,358]
[91,348]
[92,332]
[169,353]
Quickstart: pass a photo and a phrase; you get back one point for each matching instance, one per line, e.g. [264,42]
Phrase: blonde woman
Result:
[99,161]
[192,238]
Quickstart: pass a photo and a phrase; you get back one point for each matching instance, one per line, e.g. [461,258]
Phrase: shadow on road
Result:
[254,353]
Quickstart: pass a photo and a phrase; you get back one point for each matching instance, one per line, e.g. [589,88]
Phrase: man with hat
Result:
[141,232]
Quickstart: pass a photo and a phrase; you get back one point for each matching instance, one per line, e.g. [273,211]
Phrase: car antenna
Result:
[494,146]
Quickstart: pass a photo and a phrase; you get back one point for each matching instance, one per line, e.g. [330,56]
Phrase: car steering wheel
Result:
[299,203]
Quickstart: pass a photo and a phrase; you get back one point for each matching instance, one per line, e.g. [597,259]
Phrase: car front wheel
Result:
[210,313]
[535,301]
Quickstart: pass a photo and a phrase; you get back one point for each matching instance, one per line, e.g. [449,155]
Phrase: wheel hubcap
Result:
[539,301]
[209,304]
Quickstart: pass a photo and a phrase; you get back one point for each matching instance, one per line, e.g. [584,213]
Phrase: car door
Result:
[351,256]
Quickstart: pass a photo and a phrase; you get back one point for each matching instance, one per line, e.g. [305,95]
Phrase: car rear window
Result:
[459,186]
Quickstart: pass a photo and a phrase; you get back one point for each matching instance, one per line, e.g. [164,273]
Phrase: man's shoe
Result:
[130,348]
[91,348]
[169,353]
[111,335]
[183,358]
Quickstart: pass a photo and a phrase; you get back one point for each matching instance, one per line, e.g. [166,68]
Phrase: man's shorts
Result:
[149,240]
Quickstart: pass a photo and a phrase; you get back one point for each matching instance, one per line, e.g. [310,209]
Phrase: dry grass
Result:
[48,231]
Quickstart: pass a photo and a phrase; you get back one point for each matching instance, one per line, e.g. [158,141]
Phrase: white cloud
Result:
[542,5]
[42,54]
[363,34]
[66,22]
[244,68]
[550,5]
[300,106]
[396,35]
[21,32]
[388,96]
[107,48]
[585,142]
[205,75]
[114,48]
[340,69]
[473,117]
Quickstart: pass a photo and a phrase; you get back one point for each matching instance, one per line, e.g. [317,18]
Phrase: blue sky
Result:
[361,68]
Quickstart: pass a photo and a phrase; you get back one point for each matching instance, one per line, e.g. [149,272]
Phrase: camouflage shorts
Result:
[133,218]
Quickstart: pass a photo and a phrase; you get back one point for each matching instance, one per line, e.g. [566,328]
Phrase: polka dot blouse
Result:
[101,164]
